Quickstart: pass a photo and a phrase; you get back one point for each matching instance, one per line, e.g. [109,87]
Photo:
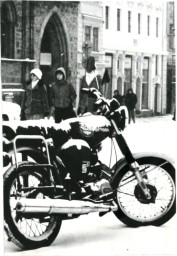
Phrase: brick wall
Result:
[30,18]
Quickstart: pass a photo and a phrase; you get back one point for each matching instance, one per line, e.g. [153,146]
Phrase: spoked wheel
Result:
[134,208]
[27,231]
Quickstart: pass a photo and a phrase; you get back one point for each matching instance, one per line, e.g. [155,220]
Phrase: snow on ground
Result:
[106,236]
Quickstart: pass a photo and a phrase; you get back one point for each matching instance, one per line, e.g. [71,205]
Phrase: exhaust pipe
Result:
[59,206]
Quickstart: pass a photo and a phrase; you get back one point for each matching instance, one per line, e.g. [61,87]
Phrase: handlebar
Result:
[101,101]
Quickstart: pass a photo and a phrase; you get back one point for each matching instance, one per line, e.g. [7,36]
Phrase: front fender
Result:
[122,162]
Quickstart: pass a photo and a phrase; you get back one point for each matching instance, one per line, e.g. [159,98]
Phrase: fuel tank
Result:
[92,129]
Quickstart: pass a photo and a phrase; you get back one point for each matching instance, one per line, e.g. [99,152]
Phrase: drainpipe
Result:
[23,70]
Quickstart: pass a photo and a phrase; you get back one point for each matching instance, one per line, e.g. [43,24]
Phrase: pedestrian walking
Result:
[90,80]
[35,102]
[62,96]
[130,101]
[117,96]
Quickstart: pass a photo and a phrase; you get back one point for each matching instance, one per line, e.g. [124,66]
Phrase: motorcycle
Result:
[65,178]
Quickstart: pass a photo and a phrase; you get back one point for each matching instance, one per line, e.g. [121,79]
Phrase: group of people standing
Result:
[58,101]
[129,100]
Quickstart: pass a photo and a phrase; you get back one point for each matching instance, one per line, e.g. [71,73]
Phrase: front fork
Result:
[134,166]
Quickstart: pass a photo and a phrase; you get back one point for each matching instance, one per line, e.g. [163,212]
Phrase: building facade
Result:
[39,34]
[135,47]
[171,60]
[128,38]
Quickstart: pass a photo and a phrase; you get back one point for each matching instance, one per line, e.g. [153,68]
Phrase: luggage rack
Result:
[31,137]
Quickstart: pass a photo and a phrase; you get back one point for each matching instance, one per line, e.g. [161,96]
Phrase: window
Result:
[157,27]
[145,91]
[148,25]
[107,17]
[7,29]
[87,33]
[127,73]
[139,23]
[118,19]
[95,39]
[129,21]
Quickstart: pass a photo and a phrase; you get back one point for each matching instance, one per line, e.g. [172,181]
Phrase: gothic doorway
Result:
[54,50]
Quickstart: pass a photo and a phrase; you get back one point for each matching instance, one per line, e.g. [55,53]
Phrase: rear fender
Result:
[119,166]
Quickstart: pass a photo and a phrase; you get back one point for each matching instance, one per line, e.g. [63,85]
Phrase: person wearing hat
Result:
[62,96]
[90,80]
[35,102]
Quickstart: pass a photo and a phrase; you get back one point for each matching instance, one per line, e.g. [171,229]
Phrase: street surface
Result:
[107,236]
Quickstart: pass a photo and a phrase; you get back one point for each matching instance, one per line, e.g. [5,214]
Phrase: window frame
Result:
[157,26]
[148,25]
[95,39]
[139,23]
[129,21]
[118,19]
[106,17]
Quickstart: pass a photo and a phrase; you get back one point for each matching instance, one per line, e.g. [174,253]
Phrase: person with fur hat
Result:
[62,96]
[35,101]
[90,80]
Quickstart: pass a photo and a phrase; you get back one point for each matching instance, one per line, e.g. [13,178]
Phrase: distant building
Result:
[128,38]
[135,46]
[171,60]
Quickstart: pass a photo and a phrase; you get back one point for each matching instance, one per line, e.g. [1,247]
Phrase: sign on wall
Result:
[145,63]
[128,63]
[108,61]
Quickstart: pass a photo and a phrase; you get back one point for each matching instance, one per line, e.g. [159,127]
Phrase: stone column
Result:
[134,59]
[151,84]
[122,66]
[114,71]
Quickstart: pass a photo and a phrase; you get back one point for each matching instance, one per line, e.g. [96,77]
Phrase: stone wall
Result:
[30,18]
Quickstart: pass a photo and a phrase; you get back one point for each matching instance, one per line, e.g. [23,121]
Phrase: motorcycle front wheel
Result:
[27,232]
[133,208]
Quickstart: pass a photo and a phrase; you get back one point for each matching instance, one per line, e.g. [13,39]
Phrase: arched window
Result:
[7,29]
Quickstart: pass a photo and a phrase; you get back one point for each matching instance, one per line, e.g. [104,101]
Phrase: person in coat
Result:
[35,101]
[63,96]
[117,96]
[130,101]
[90,80]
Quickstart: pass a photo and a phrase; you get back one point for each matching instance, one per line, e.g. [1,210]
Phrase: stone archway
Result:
[119,85]
[54,50]
[138,93]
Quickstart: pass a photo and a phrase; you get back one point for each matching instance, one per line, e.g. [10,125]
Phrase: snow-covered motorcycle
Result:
[65,178]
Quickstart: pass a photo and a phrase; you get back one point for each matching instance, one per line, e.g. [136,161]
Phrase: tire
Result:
[133,211]
[27,233]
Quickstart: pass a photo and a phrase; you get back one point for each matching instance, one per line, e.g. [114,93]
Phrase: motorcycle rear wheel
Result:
[134,211]
[27,233]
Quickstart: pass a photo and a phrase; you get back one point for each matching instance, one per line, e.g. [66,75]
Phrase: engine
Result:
[76,156]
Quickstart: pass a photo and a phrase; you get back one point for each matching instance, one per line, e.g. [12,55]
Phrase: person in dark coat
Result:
[35,102]
[62,96]
[90,80]
[130,101]
[117,96]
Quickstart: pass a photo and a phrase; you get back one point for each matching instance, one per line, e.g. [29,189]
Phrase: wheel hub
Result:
[141,197]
